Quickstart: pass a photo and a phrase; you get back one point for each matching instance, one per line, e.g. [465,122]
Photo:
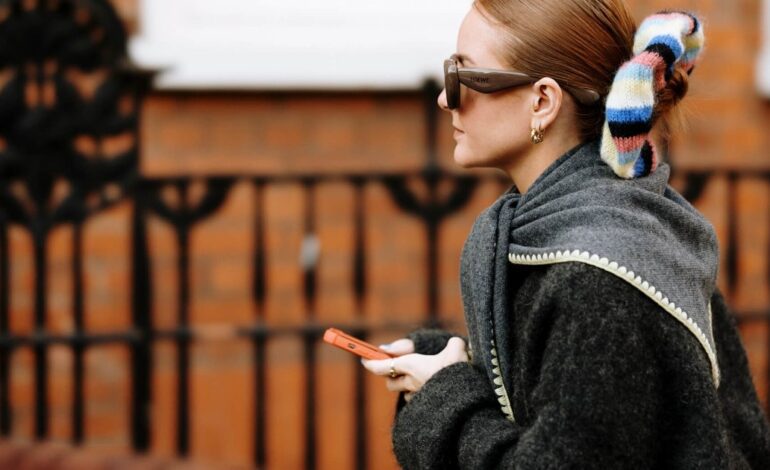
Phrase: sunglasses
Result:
[491,80]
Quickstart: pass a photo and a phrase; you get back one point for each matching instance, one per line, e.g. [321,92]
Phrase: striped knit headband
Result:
[663,41]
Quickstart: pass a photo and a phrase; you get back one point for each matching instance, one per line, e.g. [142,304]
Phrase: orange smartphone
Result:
[352,344]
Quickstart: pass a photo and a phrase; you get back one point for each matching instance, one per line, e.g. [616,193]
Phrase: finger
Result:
[408,396]
[395,385]
[399,347]
[405,383]
[379,366]
[456,349]
[404,365]
[455,343]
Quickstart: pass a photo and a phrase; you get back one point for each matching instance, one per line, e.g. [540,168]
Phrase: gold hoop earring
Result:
[536,135]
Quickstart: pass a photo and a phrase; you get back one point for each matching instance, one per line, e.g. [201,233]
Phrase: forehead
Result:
[478,39]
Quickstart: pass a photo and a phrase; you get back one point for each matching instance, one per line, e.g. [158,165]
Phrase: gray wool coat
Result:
[575,366]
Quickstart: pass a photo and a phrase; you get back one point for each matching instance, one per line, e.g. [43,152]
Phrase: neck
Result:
[524,171]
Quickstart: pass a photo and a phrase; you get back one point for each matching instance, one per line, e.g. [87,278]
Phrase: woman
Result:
[597,338]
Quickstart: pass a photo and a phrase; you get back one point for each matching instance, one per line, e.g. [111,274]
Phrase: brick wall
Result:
[203,133]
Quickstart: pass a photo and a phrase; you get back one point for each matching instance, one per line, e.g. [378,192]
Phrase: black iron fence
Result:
[431,212]
[184,219]
[52,136]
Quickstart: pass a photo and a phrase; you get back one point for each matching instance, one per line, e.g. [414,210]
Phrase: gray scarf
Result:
[578,210]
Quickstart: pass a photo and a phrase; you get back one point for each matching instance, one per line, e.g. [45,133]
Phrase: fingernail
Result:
[385,346]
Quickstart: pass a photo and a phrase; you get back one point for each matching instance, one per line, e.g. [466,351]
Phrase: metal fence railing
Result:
[48,143]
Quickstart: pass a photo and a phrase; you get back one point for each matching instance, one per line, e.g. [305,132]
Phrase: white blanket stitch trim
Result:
[500,391]
[636,281]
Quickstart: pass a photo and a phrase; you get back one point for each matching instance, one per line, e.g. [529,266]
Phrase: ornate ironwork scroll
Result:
[69,104]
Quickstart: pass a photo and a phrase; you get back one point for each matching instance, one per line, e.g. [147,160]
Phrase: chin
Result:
[464,163]
[464,158]
[484,157]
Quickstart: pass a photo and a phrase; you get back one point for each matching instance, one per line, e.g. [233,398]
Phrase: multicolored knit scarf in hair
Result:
[663,41]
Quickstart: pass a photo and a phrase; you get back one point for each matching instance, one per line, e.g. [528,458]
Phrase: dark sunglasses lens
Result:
[451,84]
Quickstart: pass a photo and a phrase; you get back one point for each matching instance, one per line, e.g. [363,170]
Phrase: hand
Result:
[415,369]
[399,347]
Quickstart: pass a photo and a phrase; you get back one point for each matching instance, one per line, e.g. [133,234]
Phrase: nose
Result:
[442,100]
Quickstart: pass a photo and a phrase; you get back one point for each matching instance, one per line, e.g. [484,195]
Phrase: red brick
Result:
[283,133]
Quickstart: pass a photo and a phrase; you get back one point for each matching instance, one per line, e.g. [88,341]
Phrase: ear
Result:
[547,99]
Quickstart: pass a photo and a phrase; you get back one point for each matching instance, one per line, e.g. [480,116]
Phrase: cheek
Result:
[493,135]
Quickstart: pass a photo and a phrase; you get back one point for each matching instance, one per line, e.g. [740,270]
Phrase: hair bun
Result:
[674,91]
[666,47]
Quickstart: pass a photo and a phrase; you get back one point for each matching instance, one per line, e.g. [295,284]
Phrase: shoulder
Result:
[584,293]
[577,283]
[582,301]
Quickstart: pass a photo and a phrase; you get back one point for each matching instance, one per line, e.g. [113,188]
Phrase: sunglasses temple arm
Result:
[490,82]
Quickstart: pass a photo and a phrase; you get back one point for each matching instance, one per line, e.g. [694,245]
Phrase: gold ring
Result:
[393,373]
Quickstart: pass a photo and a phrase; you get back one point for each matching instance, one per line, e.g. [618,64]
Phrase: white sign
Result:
[285,44]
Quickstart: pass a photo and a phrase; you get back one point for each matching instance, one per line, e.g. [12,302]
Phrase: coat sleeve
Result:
[594,405]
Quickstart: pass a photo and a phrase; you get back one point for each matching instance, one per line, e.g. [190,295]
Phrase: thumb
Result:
[399,347]
[456,343]
[455,349]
